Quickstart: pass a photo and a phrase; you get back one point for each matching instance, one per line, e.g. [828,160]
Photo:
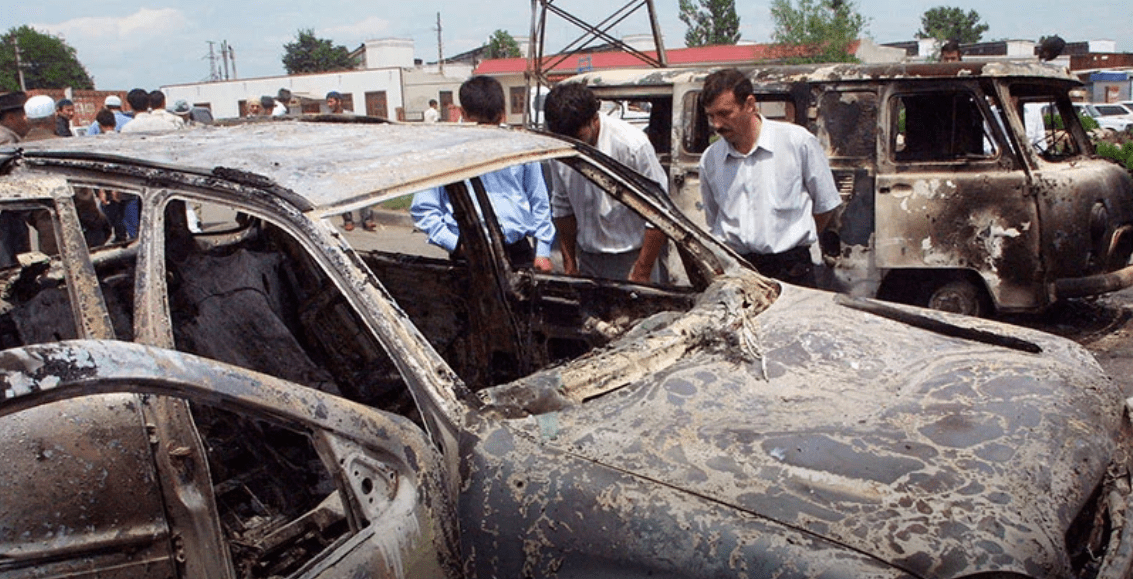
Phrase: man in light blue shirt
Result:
[114,103]
[518,194]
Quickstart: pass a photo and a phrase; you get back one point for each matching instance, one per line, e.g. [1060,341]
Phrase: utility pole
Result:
[224,56]
[440,46]
[19,67]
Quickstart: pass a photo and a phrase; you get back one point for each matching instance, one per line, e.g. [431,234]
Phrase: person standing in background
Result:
[64,112]
[432,115]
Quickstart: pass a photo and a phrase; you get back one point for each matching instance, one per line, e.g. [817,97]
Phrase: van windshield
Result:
[1048,118]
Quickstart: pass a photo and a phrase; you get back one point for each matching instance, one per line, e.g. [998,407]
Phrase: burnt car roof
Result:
[323,163]
[831,73]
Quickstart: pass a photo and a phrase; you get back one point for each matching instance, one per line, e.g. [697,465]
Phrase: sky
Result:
[159,42]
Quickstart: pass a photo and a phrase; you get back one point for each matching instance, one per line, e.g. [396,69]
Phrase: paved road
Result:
[1104,325]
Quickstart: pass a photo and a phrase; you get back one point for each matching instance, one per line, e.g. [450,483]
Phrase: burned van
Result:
[967,187]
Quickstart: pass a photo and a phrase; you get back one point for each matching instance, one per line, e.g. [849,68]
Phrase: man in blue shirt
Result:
[518,194]
[114,103]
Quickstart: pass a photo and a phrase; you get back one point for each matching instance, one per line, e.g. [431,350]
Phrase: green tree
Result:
[817,30]
[310,54]
[501,45]
[47,61]
[710,22]
[952,23]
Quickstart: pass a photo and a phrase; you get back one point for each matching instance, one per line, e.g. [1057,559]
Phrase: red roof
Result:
[701,55]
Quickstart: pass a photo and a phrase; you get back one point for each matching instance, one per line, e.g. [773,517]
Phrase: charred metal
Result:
[267,396]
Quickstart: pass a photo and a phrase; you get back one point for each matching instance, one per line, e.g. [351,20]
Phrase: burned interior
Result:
[244,290]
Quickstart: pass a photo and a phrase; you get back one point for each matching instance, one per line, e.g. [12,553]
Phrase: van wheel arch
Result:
[957,291]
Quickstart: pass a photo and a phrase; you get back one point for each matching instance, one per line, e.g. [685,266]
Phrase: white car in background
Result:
[1114,116]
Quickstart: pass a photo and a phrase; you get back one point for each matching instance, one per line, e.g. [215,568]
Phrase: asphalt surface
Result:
[1104,325]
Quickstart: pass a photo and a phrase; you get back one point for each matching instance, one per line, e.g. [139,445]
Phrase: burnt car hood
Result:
[932,453]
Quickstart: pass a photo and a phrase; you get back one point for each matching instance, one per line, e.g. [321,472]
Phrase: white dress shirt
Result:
[159,121]
[605,225]
[764,201]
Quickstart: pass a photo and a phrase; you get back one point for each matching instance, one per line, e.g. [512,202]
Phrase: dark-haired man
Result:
[104,121]
[157,120]
[766,185]
[13,120]
[13,128]
[334,103]
[138,99]
[64,112]
[518,194]
[432,115]
[113,103]
[950,52]
[599,236]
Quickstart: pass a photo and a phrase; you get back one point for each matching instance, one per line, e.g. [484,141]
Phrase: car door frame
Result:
[415,528]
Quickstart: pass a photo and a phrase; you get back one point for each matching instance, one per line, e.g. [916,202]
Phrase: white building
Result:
[389,85]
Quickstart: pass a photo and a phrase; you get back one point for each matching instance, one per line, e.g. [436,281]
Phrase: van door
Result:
[847,127]
[690,137]
[956,223]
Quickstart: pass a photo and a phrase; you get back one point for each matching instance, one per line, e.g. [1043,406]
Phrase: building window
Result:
[518,99]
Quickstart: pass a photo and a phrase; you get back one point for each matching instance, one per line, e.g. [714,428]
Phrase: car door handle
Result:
[897,188]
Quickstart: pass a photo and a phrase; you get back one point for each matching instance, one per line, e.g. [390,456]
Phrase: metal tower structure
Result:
[539,65]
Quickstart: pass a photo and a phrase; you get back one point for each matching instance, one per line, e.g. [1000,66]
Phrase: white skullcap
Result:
[39,107]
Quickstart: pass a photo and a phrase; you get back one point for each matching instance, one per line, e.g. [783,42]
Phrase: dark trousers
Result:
[792,266]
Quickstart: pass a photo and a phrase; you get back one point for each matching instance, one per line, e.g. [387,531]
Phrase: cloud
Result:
[145,23]
[367,29]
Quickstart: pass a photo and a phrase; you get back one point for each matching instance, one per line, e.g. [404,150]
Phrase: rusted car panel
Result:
[97,476]
[775,434]
[996,205]
[399,485]
[536,424]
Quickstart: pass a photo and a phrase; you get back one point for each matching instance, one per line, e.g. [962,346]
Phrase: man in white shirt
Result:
[766,185]
[157,120]
[598,235]
[432,115]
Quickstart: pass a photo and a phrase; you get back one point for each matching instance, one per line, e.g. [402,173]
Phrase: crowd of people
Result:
[766,186]
[104,215]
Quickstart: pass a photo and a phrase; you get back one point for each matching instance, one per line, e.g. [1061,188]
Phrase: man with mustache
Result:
[766,185]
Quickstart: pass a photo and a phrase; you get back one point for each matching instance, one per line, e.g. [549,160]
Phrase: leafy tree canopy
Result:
[710,22]
[310,54]
[47,61]
[952,23]
[817,30]
[501,45]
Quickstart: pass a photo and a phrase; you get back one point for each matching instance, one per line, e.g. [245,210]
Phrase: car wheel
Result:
[960,296]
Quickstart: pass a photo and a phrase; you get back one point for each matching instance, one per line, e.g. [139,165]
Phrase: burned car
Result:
[247,390]
[967,187]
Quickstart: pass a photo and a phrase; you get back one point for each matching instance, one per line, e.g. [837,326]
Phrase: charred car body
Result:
[967,187]
[265,395]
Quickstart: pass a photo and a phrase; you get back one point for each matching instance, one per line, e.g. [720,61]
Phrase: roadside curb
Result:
[393,218]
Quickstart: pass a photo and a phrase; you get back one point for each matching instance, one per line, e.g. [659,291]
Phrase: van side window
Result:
[697,134]
[846,126]
[777,107]
[939,127]
[1046,115]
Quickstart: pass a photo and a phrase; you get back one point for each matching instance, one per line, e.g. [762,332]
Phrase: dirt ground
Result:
[1104,325]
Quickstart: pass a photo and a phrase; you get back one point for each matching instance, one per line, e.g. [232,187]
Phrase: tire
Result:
[959,296]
